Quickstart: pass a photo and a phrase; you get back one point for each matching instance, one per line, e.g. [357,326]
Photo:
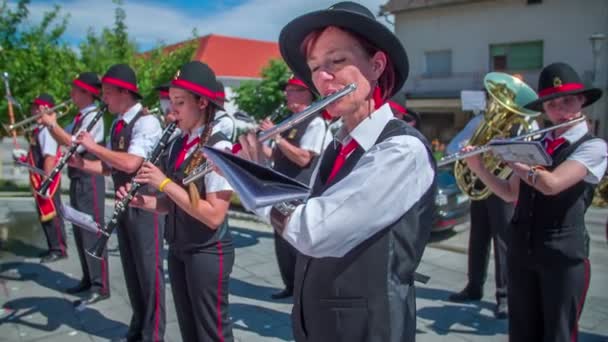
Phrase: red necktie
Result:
[552,145]
[182,154]
[341,158]
[119,125]
[77,119]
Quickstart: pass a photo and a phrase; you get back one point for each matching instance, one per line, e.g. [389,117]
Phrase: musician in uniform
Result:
[201,252]
[165,103]
[44,154]
[133,136]
[359,237]
[548,252]
[397,104]
[87,191]
[224,122]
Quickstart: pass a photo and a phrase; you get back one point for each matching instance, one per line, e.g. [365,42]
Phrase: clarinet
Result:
[46,184]
[123,204]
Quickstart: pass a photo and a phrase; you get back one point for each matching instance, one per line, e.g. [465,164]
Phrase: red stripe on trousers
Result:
[59,237]
[219,292]
[156,282]
[104,285]
[574,335]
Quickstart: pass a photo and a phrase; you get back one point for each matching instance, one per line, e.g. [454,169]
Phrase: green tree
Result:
[29,50]
[260,99]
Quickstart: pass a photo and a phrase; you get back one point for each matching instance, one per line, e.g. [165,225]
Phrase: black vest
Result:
[363,296]
[120,142]
[75,172]
[551,228]
[285,166]
[37,150]
[182,231]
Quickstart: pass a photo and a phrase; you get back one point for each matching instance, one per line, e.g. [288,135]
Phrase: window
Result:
[438,63]
[516,56]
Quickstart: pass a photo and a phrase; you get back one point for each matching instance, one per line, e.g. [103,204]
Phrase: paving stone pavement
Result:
[35,308]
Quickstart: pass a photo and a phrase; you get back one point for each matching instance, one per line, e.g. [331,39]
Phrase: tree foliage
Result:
[261,98]
[37,59]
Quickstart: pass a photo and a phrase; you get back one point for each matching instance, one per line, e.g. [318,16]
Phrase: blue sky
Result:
[153,21]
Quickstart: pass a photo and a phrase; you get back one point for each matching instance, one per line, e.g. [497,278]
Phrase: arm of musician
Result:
[299,156]
[48,164]
[587,162]
[122,161]
[62,137]
[388,180]
[310,144]
[507,189]
[211,210]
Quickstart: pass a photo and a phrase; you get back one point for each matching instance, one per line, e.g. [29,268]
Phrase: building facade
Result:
[453,44]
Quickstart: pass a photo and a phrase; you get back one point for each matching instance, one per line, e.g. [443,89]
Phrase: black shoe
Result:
[91,299]
[465,295]
[52,257]
[81,287]
[501,311]
[286,293]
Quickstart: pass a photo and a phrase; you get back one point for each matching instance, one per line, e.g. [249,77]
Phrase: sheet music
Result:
[78,218]
[256,185]
[527,152]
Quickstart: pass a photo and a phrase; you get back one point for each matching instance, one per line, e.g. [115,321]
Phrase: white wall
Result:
[468,30]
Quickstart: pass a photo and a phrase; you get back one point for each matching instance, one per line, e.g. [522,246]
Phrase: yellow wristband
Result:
[163,184]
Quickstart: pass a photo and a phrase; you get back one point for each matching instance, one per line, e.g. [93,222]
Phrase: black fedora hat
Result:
[88,81]
[44,99]
[219,91]
[122,76]
[198,78]
[560,79]
[163,90]
[351,17]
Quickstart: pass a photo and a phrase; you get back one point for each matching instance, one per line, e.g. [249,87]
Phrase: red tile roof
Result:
[232,56]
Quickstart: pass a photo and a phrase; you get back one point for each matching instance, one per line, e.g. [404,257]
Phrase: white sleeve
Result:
[337,221]
[312,140]
[48,145]
[146,133]
[214,182]
[96,132]
[592,154]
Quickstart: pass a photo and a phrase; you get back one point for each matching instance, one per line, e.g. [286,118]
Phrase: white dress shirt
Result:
[87,115]
[225,123]
[214,182]
[313,138]
[385,183]
[48,144]
[591,154]
[145,134]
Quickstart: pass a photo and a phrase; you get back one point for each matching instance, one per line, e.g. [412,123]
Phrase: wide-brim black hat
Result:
[88,81]
[163,89]
[198,78]
[558,80]
[122,76]
[351,17]
[220,91]
[44,99]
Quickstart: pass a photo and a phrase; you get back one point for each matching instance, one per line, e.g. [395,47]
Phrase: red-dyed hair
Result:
[386,82]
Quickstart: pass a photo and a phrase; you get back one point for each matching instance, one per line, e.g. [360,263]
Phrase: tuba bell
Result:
[504,117]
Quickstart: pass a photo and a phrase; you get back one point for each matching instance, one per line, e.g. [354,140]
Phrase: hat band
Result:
[220,95]
[87,87]
[120,83]
[163,93]
[297,82]
[561,89]
[397,107]
[194,88]
[41,102]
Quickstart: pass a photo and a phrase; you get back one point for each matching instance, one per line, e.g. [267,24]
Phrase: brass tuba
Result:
[504,117]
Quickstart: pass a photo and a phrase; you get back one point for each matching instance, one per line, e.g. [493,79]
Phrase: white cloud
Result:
[149,24]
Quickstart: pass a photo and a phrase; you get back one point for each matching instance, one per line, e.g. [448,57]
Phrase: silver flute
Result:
[285,125]
[485,148]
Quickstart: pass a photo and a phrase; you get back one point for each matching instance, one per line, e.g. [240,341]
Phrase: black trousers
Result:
[545,302]
[87,194]
[54,229]
[199,281]
[286,257]
[140,240]
[490,219]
